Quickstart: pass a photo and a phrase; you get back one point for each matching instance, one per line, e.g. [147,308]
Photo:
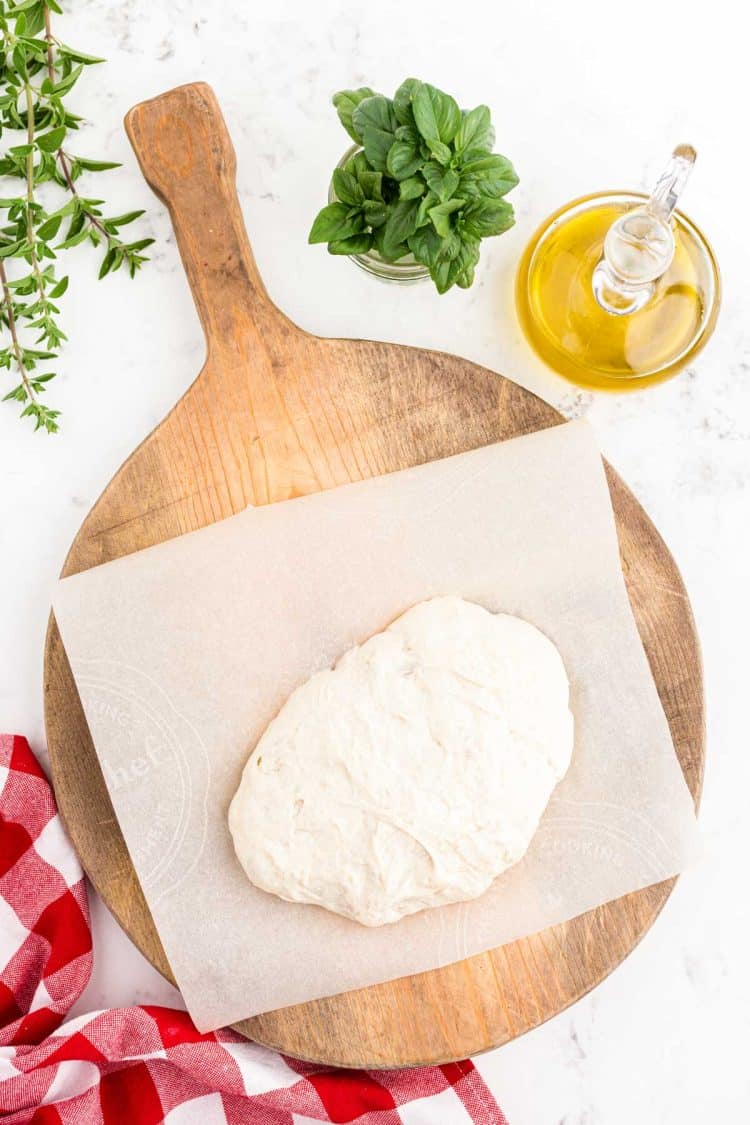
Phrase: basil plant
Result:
[424,182]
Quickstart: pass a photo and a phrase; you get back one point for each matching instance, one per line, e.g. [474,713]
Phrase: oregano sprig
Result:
[425,182]
[37,71]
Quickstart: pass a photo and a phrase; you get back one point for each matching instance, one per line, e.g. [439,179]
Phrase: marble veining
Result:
[664,1039]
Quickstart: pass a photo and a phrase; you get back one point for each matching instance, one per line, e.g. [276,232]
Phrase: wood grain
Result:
[277,413]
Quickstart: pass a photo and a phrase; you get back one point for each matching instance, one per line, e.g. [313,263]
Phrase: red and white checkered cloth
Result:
[144,1065]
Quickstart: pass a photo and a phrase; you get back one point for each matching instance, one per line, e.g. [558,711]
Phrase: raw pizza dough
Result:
[414,772]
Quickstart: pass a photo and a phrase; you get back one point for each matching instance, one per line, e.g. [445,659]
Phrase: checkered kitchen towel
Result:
[146,1065]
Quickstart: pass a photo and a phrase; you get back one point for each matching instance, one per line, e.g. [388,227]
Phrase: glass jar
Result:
[405,271]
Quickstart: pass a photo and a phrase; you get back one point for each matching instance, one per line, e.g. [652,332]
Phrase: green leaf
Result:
[47,230]
[375,112]
[140,245]
[427,203]
[346,101]
[77,223]
[355,244]
[450,245]
[66,52]
[51,142]
[441,152]
[403,160]
[425,245]
[443,181]
[400,224]
[335,222]
[18,394]
[57,89]
[409,133]
[436,114]
[21,150]
[390,252]
[96,165]
[475,130]
[375,213]
[11,248]
[73,240]
[412,188]
[492,173]
[107,263]
[123,220]
[19,62]
[377,146]
[372,185]
[441,214]
[357,165]
[440,274]
[463,266]
[402,101]
[347,187]
[485,217]
[68,208]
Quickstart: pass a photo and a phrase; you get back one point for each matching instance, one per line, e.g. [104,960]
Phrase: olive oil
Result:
[580,339]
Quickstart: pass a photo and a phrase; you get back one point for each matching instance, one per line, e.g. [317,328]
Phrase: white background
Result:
[584,96]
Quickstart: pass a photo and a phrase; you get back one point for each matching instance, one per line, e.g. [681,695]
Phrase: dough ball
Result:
[413,773]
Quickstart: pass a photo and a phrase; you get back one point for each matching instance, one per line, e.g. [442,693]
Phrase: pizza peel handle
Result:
[186,155]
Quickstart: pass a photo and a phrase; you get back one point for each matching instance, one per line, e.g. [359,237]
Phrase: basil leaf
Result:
[464,265]
[355,244]
[450,246]
[372,185]
[391,253]
[347,187]
[441,215]
[475,131]
[336,221]
[402,101]
[357,164]
[375,213]
[401,223]
[436,114]
[428,202]
[425,246]
[412,188]
[377,146]
[443,181]
[409,133]
[461,271]
[489,166]
[441,152]
[403,160]
[375,112]
[440,274]
[485,217]
[346,101]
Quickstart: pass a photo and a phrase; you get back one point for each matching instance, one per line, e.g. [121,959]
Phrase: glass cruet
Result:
[618,290]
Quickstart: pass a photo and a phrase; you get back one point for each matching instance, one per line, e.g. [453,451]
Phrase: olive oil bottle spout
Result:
[640,245]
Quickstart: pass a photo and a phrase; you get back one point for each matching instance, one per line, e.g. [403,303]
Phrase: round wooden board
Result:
[276,413]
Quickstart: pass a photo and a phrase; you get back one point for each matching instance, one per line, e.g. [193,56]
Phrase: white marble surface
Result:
[580,103]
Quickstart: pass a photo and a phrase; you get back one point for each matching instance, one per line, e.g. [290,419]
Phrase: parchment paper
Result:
[184,652]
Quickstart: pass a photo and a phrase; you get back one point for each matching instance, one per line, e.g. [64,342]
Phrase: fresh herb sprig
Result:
[37,72]
[425,182]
